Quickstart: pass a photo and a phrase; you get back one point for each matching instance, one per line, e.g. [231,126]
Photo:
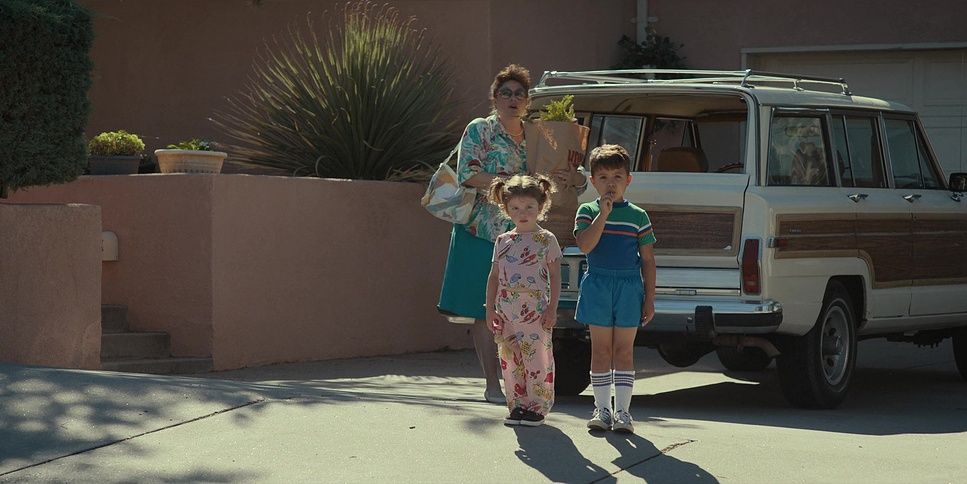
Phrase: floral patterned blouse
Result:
[486,147]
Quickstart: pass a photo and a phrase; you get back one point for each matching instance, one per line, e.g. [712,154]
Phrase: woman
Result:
[490,147]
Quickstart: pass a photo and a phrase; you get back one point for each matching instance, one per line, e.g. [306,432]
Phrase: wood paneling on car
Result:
[681,230]
[940,245]
[899,249]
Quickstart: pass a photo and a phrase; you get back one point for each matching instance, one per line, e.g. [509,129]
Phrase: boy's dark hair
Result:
[610,157]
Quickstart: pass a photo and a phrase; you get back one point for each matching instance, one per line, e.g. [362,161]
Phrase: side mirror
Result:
[958,182]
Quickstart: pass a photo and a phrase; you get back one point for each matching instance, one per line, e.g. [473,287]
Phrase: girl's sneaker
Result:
[601,419]
[515,416]
[623,422]
[531,419]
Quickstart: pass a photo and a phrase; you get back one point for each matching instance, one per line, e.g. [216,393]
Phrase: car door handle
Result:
[956,196]
[856,197]
[913,197]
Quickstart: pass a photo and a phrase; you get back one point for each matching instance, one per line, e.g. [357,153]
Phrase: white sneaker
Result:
[601,419]
[623,422]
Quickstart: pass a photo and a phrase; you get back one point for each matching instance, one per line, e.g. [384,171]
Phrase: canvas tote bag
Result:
[445,198]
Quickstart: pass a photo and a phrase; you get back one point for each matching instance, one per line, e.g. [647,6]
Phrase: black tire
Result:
[572,366]
[682,356]
[960,352]
[745,359]
[815,369]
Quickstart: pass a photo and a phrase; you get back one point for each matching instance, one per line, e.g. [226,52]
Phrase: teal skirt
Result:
[465,277]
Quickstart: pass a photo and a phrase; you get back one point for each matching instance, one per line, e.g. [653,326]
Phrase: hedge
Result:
[45,72]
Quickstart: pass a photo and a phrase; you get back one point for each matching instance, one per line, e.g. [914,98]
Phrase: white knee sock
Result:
[624,384]
[601,385]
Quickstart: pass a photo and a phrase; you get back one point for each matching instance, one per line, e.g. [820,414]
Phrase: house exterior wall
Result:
[162,68]
[255,270]
[714,33]
[50,292]
[313,269]
[163,226]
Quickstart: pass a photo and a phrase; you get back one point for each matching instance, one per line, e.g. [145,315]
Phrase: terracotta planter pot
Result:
[113,165]
[190,161]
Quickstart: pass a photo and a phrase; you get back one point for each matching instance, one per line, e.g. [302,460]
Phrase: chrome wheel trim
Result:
[834,344]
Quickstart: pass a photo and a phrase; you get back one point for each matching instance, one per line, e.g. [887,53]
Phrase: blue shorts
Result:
[610,298]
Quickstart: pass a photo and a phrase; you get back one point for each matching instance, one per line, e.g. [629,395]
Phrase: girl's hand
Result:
[647,312]
[549,319]
[494,322]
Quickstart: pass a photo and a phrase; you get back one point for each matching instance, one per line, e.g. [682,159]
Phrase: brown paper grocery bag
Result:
[548,143]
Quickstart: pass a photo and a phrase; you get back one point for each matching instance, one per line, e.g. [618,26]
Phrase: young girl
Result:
[522,295]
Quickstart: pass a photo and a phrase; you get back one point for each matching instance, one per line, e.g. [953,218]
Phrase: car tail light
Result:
[750,267]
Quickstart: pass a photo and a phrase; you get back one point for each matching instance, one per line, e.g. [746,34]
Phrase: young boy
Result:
[617,293]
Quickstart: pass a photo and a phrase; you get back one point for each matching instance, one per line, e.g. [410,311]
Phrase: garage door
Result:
[932,82]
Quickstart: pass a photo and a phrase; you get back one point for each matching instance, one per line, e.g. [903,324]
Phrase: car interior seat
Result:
[682,158]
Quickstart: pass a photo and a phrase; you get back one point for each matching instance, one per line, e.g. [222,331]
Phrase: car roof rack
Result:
[746,78]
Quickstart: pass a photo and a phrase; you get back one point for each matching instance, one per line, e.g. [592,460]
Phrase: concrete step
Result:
[114,318]
[159,366]
[135,345]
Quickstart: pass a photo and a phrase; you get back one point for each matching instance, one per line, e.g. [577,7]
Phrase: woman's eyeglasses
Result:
[507,94]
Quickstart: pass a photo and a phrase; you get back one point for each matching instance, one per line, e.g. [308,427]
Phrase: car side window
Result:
[615,129]
[866,158]
[842,155]
[911,168]
[797,152]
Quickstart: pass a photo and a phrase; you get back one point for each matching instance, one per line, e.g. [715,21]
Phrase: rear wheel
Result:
[572,365]
[815,369]
[960,352]
[744,359]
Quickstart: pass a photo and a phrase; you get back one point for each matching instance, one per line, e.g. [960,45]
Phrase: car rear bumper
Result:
[700,318]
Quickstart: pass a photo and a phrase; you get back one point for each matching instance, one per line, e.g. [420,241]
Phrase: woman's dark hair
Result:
[512,72]
[538,187]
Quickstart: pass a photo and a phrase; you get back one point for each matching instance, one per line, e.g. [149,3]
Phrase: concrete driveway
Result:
[420,418]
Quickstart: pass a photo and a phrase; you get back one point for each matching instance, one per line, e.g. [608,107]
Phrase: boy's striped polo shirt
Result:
[626,229]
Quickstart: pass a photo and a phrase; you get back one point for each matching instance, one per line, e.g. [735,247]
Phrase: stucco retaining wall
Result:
[254,270]
[50,292]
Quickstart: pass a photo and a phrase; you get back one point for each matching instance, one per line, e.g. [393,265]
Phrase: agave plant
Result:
[373,101]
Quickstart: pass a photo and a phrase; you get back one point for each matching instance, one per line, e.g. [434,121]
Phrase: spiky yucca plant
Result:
[373,101]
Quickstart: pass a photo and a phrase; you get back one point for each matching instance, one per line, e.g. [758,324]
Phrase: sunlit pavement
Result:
[421,418]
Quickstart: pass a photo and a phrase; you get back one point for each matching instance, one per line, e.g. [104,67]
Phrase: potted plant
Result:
[114,153]
[190,156]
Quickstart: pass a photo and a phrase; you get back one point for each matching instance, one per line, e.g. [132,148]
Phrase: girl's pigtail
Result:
[546,187]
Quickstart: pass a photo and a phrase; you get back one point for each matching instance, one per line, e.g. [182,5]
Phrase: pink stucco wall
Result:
[714,33]
[254,270]
[162,68]
[50,293]
[307,268]
[163,225]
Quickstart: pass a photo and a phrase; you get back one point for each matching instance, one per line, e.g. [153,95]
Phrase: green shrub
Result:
[116,143]
[193,144]
[559,110]
[44,77]
[371,101]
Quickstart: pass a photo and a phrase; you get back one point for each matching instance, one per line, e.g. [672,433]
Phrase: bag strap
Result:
[454,150]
